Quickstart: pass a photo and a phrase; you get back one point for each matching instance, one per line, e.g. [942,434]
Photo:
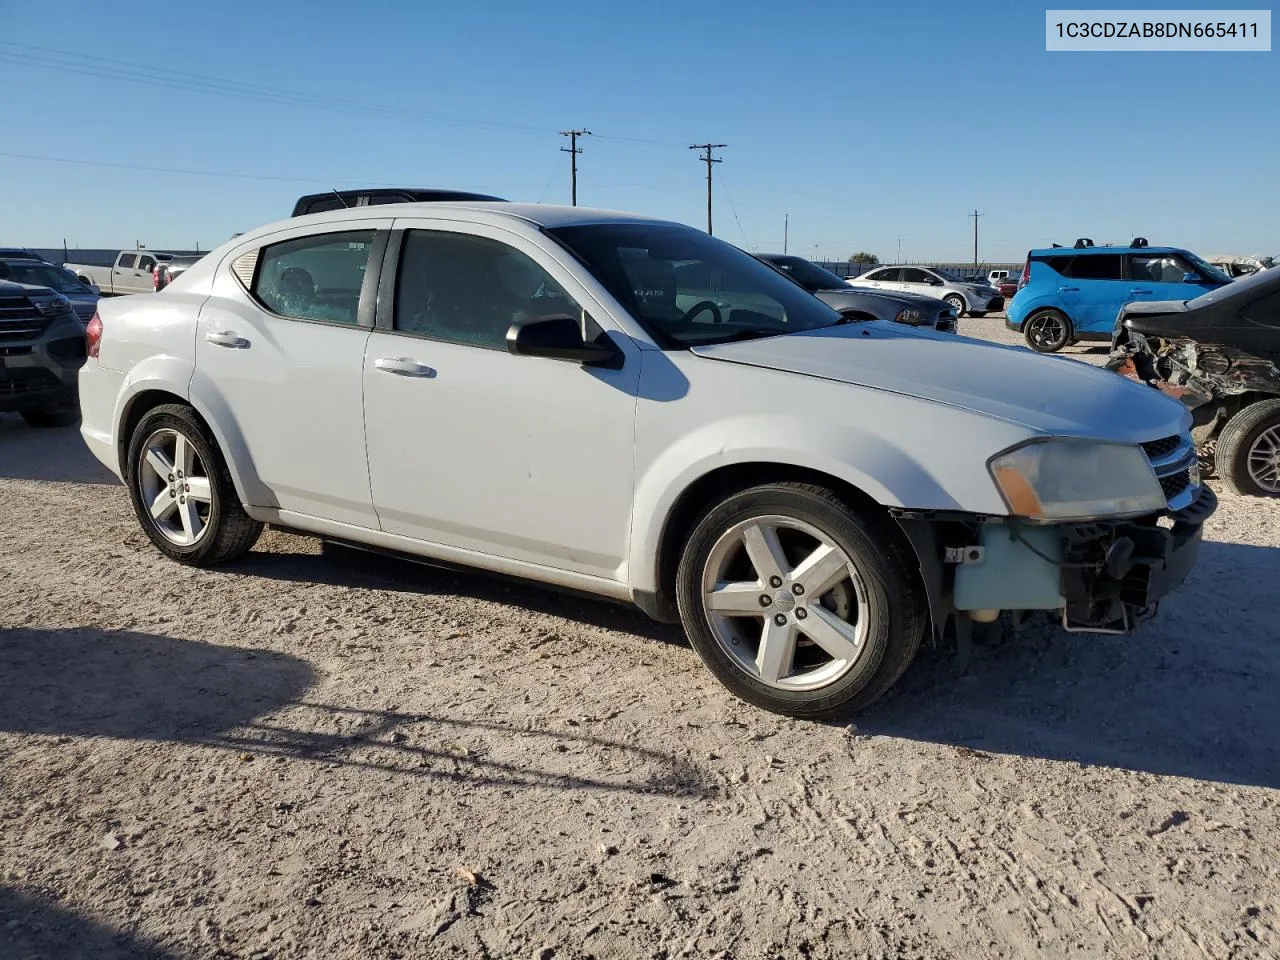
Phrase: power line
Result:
[724,185]
[706,149]
[573,150]
[194,173]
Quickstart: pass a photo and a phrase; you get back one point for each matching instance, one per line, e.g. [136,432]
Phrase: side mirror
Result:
[559,337]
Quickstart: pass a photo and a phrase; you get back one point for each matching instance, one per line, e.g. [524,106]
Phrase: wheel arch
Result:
[712,487]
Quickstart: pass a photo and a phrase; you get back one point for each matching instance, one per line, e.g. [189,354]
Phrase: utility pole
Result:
[786,227]
[899,260]
[975,216]
[573,150]
[706,149]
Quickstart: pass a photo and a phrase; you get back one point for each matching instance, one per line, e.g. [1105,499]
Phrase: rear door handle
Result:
[1068,289]
[404,367]
[225,338]
[1139,290]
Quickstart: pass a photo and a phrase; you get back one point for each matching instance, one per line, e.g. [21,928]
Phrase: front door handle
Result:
[1068,289]
[1139,290]
[225,338]
[404,367]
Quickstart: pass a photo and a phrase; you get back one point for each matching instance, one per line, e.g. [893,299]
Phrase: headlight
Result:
[1076,480]
[52,306]
[907,316]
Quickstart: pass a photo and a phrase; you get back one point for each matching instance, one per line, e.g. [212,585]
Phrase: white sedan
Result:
[634,409]
[973,299]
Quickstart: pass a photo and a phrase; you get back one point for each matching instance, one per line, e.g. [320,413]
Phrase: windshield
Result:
[41,275]
[687,288]
[1208,269]
[810,275]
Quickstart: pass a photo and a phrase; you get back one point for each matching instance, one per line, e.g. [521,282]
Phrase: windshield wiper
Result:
[749,333]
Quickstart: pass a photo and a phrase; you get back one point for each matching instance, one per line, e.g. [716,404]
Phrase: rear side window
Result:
[887,276]
[146,263]
[314,278]
[469,289]
[1098,266]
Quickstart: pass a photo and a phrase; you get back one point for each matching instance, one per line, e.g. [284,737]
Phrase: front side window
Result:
[127,261]
[469,289]
[912,275]
[1098,266]
[314,278]
[687,288]
[1161,268]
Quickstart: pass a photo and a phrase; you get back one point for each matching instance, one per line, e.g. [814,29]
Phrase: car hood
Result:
[1055,396]
[10,288]
[896,296]
[1147,307]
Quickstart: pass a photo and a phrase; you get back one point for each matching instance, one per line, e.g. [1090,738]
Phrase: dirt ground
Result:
[313,753]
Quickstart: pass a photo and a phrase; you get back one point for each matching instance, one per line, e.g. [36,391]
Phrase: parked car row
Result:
[810,497]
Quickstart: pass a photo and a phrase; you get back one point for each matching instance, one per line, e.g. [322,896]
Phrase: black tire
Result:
[1047,331]
[1239,438]
[51,417]
[957,302]
[229,531]
[897,609]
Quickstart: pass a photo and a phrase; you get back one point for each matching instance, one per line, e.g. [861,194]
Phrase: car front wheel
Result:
[957,303]
[1247,457]
[1047,331]
[182,490]
[797,603]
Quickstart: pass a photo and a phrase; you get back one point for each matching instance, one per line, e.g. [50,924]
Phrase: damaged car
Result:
[550,393]
[1220,355]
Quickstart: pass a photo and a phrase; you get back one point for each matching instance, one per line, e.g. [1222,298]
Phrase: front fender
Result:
[879,468]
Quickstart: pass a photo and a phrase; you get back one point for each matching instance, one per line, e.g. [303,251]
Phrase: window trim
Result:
[368,285]
[389,289]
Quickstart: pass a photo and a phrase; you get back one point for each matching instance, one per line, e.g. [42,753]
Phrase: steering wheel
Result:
[697,308]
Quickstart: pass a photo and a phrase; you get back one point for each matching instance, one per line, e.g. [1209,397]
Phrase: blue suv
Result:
[1068,294]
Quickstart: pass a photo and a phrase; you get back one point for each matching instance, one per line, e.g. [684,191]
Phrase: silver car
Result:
[972,299]
[909,308]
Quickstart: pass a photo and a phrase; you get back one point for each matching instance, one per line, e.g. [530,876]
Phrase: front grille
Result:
[19,320]
[1158,449]
[1175,483]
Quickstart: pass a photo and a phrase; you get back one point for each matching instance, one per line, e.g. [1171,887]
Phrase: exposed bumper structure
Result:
[1105,576]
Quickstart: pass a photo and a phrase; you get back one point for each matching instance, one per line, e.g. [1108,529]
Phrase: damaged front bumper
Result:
[1104,576]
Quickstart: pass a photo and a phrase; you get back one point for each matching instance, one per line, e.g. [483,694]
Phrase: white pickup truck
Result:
[131,273]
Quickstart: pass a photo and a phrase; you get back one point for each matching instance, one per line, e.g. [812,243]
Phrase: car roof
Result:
[539,214]
[1086,251]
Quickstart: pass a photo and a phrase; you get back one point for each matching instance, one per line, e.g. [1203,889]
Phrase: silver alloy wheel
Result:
[174,485]
[786,603]
[957,303]
[1264,460]
[1046,329]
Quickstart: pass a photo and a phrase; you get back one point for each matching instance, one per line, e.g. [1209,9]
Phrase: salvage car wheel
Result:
[957,302]
[182,491]
[796,603]
[1248,452]
[1047,331]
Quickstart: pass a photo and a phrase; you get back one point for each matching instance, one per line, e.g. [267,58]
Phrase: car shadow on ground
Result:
[339,565]
[32,928]
[1183,695]
[143,687]
[56,453]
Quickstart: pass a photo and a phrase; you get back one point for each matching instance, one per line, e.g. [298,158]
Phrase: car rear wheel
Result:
[1047,331]
[182,491]
[1247,457]
[957,303]
[797,603]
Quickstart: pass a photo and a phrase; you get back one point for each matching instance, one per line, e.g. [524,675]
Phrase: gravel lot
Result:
[313,753]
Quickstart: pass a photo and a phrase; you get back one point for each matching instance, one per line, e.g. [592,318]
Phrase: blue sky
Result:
[863,122]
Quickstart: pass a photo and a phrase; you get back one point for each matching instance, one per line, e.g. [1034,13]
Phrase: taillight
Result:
[1026,273]
[155,277]
[93,334]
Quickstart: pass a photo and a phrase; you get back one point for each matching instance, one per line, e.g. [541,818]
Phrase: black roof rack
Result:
[1139,242]
[1083,242]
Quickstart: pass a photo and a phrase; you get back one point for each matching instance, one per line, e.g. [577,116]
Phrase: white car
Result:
[973,299]
[634,409]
